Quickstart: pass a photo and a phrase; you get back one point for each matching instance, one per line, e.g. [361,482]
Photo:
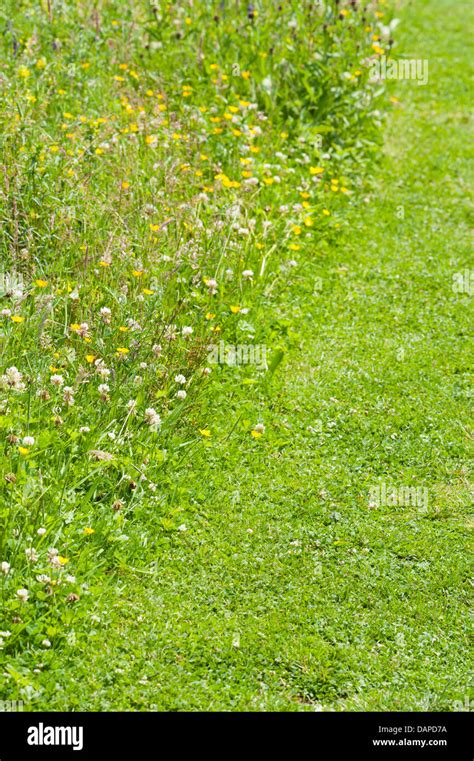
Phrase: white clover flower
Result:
[103,388]
[187,331]
[6,312]
[12,379]
[57,380]
[247,274]
[105,314]
[179,379]
[206,371]
[181,394]
[212,285]
[28,441]
[5,567]
[41,531]
[152,418]
[132,406]
[103,371]
[46,643]
[133,325]
[70,579]
[156,349]
[23,594]
[31,554]
[43,579]
[68,395]
[84,429]
[259,428]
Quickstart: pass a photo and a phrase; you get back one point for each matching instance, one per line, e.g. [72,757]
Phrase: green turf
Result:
[288,590]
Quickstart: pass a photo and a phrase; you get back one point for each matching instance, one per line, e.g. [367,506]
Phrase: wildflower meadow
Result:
[235,378]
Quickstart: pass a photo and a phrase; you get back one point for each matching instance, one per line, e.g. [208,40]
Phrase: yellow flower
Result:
[104,264]
[88,531]
[377,49]
[122,350]
[316,169]
[308,221]
[125,185]
[255,434]
[210,316]
[17,318]
[326,213]
[23,72]
[245,74]
[205,432]
[63,560]
[41,283]
[151,139]
[296,229]
[23,450]
[235,309]
[148,292]
[90,358]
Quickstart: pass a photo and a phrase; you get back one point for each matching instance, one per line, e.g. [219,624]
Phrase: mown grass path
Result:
[288,591]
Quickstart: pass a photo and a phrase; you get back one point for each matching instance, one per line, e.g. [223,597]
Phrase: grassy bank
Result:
[261,573]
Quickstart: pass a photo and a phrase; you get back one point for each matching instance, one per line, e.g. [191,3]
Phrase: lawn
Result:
[287,531]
